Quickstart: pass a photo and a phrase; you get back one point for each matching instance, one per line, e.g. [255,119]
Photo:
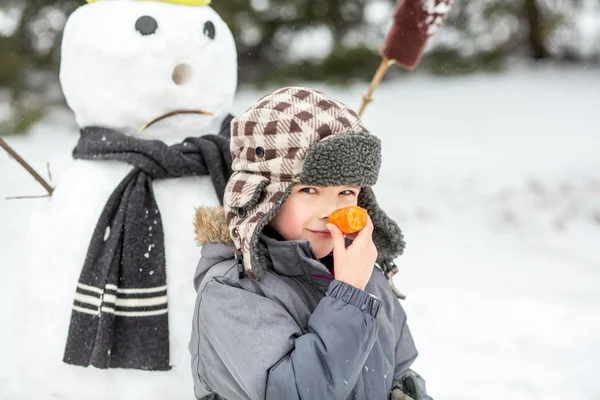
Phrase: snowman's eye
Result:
[209,29]
[146,25]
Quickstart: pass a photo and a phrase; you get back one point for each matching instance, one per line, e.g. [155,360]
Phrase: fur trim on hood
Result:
[210,226]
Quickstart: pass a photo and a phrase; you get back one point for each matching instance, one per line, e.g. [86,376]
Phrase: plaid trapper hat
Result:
[299,135]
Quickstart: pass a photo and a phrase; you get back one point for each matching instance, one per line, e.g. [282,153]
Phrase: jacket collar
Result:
[294,258]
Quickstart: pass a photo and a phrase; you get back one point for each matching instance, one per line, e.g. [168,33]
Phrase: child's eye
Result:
[309,190]
[348,193]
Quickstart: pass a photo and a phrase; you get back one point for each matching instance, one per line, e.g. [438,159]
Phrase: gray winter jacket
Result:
[297,333]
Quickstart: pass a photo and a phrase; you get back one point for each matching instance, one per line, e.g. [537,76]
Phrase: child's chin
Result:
[322,251]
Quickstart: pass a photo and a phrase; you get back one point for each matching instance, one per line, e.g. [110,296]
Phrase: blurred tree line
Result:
[327,40]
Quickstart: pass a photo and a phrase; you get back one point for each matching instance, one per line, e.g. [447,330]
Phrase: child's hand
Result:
[354,265]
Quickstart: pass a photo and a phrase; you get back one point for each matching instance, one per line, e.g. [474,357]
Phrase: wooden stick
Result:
[170,114]
[27,197]
[49,172]
[383,67]
[24,164]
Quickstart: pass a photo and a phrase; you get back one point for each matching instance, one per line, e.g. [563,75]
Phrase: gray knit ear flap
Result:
[387,235]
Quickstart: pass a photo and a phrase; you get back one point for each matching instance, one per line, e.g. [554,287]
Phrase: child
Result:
[284,309]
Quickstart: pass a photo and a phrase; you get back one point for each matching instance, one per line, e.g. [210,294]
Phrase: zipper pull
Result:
[240,264]
[390,269]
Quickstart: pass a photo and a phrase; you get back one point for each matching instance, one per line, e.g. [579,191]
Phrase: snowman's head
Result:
[125,63]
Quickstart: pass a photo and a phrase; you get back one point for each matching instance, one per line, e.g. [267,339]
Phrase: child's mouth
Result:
[322,234]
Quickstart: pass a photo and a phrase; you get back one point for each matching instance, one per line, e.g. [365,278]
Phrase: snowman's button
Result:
[146,25]
[209,29]
[260,151]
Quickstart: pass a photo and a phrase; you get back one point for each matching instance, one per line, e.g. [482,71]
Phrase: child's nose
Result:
[327,209]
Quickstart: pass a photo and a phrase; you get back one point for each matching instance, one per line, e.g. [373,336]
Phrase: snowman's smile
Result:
[172,113]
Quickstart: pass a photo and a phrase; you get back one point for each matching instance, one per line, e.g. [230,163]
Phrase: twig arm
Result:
[25,165]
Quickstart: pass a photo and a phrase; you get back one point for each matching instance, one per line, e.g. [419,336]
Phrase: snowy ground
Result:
[496,182]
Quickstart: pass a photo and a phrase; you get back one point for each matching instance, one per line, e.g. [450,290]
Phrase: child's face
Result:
[304,214]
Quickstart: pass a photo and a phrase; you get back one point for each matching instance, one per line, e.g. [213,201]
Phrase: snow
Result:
[494,180]
[313,43]
[436,11]
[437,6]
[587,28]
[9,20]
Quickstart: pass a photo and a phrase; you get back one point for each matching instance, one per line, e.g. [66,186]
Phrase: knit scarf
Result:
[119,317]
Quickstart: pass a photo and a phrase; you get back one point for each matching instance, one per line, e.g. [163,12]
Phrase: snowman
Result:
[107,301]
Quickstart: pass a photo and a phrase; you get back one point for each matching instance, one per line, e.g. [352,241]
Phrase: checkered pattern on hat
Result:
[284,125]
[243,230]
[242,192]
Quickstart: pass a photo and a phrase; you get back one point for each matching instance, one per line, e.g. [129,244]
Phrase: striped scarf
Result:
[119,317]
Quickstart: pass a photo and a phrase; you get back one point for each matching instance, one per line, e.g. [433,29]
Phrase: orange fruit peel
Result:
[349,219]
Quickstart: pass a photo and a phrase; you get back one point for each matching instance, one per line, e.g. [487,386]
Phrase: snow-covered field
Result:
[496,182]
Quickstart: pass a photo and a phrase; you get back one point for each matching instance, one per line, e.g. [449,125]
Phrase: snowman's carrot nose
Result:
[171,113]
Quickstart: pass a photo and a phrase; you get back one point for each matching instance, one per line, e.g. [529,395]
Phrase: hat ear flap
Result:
[244,191]
[387,236]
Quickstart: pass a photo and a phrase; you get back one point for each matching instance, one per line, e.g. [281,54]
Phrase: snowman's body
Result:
[117,77]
